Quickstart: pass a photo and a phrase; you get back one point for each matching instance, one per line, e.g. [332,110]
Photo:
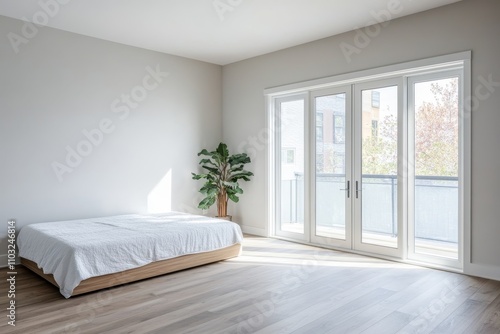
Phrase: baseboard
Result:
[254,231]
[482,270]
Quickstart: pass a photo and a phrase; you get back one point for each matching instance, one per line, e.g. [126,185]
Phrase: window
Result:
[319,134]
[291,121]
[320,163]
[338,129]
[288,156]
[319,119]
[374,128]
[375,99]
[339,163]
[391,180]
[319,126]
[434,113]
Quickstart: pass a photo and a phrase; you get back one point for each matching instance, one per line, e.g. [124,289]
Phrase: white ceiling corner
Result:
[215,31]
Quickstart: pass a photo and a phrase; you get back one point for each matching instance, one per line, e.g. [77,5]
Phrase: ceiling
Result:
[215,31]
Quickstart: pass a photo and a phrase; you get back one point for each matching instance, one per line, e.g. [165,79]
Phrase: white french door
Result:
[291,125]
[378,173]
[354,172]
[374,166]
[331,179]
[435,168]
[343,186]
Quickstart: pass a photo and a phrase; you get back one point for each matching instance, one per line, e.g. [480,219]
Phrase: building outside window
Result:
[374,128]
[288,156]
[319,127]
[339,129]
[375,99]
[339,163]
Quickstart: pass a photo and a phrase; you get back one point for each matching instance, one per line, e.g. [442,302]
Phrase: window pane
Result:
[436,168]
[290,157]
[375,99]
[292,166]
[330,167]
[379,166]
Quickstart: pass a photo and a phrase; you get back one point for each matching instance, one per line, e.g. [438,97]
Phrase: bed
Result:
[81,256]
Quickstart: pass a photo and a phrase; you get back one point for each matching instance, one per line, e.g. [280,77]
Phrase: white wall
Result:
[60,84]
[467,25]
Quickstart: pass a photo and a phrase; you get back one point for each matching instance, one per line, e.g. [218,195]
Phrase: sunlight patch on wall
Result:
[160,198]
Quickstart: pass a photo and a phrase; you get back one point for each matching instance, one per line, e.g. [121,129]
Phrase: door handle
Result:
[348,189]
[357,189]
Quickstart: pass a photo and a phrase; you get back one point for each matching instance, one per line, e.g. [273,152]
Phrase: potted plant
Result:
[223,172]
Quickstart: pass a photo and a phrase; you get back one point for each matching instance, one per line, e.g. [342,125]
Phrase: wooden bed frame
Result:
[147,271]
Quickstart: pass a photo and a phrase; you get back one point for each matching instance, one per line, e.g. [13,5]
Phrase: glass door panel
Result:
[374,166]
[291,165]
[434,218]
[377,189]
[332,193]
[379,166]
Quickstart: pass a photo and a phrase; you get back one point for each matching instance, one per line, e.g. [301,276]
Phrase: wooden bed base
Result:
[147,271]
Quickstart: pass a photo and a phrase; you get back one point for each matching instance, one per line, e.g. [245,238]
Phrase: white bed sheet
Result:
[76,250]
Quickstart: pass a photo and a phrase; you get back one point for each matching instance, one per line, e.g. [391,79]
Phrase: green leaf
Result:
[233,198]
[223,151]
[244,178]
[213,191]
[212,178]
[211,169]
[230,184]
[217,158]
[207,161]
[204,152]
[208,188]
[237,168]
[199,176]
[206,203]
[238,159]
[234,191]
[245,175]
[245,172]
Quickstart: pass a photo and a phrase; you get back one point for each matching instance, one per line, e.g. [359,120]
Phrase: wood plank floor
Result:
[274,287]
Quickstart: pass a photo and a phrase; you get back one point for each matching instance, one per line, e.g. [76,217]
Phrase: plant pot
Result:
[228,217]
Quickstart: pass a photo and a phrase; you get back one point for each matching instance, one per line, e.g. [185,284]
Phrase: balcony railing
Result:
[436,204]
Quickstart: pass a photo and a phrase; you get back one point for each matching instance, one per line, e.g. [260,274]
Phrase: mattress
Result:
[73,251]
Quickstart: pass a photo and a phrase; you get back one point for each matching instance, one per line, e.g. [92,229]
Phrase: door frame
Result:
[456,61]
[358,243]
[412,255]
[277,166]
[322,240]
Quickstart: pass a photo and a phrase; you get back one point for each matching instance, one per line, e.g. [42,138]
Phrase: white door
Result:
[356,169]
[291,168]
[331,185]
[378,186]
[435,160]
[341,153]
